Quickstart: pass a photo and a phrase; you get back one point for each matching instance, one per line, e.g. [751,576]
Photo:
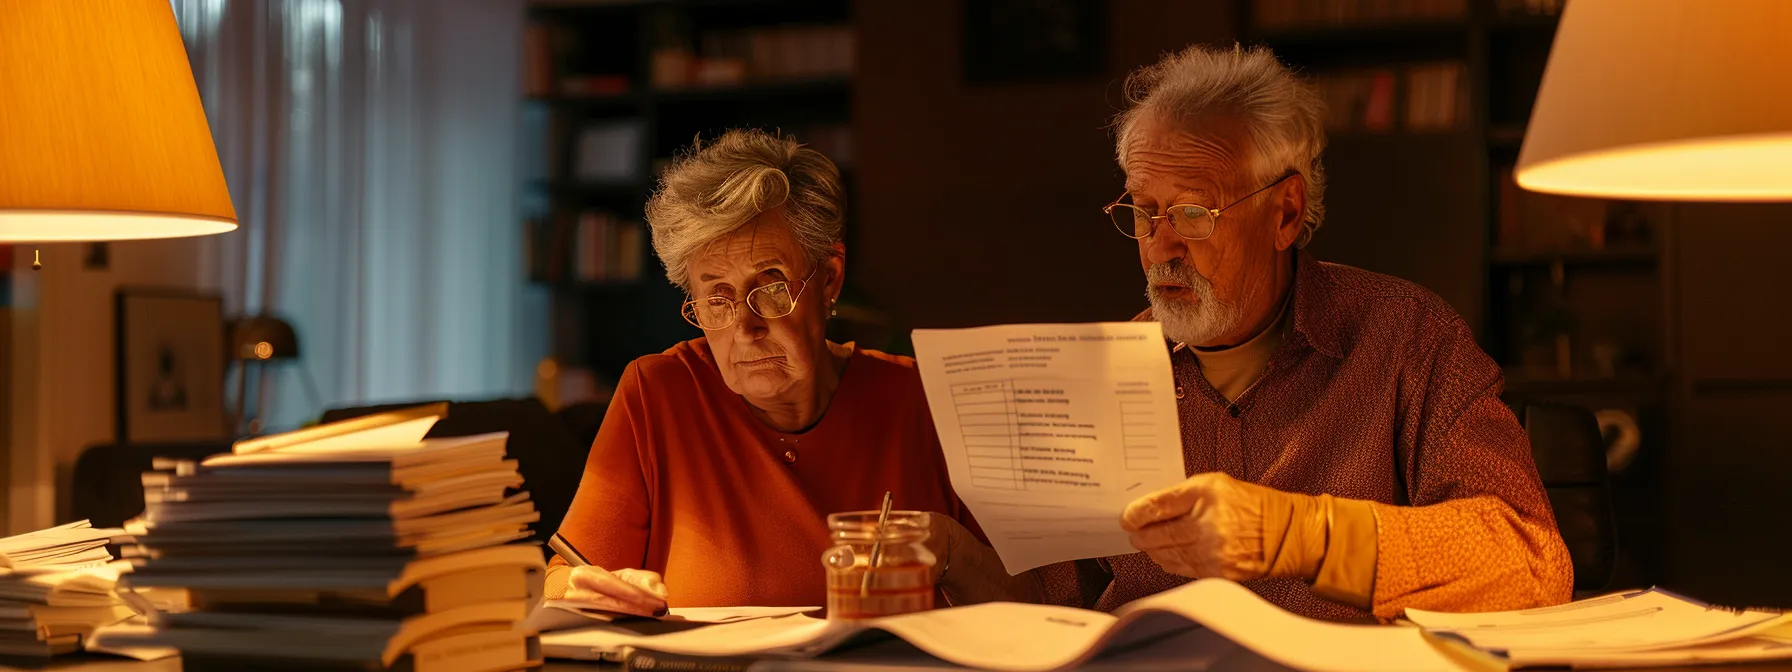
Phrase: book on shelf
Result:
[603,249]
[545,47]
[1273,15]
[354,545]
[587,247]
[1426,97]
[56,589]
[1529,7]
[1436,96]
[757,55]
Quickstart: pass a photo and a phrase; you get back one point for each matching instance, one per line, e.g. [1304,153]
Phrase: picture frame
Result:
[169,382]
[1034,40]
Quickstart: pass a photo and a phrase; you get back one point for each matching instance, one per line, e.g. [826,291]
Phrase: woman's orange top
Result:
[684,481]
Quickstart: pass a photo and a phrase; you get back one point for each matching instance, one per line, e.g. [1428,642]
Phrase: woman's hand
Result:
[627,591]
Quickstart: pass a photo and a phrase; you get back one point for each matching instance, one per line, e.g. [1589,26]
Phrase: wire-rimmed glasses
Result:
[1189,220]
[770,301]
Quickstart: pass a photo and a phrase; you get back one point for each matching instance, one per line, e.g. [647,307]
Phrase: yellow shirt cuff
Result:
[1347,575]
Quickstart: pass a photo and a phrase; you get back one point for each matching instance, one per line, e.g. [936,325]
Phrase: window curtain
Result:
[371,151]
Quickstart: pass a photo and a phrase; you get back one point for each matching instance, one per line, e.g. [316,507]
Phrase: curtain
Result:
[371,151]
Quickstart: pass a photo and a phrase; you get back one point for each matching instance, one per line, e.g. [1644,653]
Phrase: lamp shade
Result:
[1665,100]
[102,135]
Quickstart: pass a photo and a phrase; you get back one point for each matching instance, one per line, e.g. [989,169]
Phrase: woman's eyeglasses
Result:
[1191,221]
[769,301]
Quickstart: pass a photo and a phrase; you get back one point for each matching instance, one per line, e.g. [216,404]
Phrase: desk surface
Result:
[87,663]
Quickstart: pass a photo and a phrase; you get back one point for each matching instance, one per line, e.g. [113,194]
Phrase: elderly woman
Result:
[720,459]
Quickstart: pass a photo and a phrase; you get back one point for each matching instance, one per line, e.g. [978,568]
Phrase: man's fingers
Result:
[1173,534]
[1165,504]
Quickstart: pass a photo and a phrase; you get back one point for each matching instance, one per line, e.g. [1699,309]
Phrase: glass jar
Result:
[902,580]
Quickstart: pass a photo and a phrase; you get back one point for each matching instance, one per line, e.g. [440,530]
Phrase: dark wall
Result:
[980,203]
[1731,467]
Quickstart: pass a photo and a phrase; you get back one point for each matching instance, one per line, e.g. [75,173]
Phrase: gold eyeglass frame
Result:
[689,312]
[1211,212]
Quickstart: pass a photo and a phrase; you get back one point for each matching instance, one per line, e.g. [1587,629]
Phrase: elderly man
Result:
[1349,451]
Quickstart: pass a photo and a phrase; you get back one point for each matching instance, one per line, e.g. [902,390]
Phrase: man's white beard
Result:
[1194,322]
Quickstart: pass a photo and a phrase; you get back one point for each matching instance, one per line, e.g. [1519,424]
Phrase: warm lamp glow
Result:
[102,135]
[1665,100]
[1746,168]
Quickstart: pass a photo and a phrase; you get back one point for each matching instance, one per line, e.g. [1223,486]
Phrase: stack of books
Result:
[56,588]
[351,545]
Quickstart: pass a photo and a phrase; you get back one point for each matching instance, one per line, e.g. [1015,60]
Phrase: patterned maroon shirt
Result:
[1379,393]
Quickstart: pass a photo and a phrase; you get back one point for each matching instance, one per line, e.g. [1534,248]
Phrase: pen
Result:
[566,551]
[877,546]
[571,555]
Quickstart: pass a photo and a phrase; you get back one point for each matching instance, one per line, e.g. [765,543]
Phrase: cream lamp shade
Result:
[102,135]
[1684,100]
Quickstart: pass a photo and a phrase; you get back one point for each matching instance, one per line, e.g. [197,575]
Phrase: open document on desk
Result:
[1050,430]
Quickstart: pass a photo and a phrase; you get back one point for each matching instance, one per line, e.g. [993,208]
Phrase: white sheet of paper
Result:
[1640,620]
[1050,430]
[753,636]
[1757,648]
[553,615]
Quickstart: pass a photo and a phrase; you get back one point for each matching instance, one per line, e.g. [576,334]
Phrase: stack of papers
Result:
[356,543]
[56,588]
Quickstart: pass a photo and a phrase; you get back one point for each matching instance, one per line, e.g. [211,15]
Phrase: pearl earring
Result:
[832,312]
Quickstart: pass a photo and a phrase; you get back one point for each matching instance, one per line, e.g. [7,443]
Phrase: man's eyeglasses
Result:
[1191,221]
[769,301]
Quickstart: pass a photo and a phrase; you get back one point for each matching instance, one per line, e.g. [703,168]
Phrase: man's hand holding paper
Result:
[1049,430]
[1213,525]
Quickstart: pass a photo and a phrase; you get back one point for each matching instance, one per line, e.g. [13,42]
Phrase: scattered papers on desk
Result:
[1037,638]
[56,587]
[1050,430]
[553,615]
[120,639]
[1627,629]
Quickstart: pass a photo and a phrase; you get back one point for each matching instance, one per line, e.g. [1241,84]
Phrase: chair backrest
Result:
[1570,455]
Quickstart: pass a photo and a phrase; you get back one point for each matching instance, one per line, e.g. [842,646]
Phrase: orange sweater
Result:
[684,481]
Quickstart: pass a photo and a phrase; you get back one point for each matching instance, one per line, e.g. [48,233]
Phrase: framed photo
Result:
[1022,40]
[171,358]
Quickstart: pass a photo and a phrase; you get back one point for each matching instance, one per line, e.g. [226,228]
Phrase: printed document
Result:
[1050,430]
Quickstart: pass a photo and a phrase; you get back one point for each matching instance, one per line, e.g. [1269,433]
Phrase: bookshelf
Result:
[1572,297]
[613,89]
[1402,79]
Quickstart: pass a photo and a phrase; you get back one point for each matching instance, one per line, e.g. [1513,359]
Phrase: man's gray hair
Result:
[1284,114]
[715,188]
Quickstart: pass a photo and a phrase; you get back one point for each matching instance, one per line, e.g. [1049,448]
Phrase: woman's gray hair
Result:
[1284,114]
[715,188]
